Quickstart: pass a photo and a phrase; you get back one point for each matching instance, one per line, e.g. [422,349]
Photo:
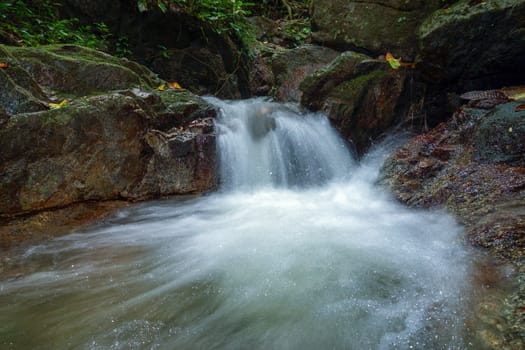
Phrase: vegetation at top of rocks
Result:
[230,16]
[225,16]
[33,23]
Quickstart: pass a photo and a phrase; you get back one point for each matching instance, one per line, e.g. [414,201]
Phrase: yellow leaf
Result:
[3,65]
[162,87]
[175,85]
[58,105]
[395,63]
[510,129]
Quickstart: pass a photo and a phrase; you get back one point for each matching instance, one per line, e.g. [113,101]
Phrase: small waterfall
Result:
[267,144]
[299,251]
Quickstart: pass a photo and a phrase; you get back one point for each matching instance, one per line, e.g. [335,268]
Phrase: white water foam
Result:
[300,250]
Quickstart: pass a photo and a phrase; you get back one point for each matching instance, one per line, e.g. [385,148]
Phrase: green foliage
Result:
[122,47]
[296,32]
[224,16]
[33,23]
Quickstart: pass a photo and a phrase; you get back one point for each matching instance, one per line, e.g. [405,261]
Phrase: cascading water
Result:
[298,251]
[263,144]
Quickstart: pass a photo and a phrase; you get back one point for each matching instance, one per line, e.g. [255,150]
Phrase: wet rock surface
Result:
[115,138]
[291,67]
[473,165]
[358,93]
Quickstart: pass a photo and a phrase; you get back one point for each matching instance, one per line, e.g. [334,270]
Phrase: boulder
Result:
[474,164]
[373,27]
[358,93]
[116,138]
[290,68]
[480,44]
[19,92]
[78,71]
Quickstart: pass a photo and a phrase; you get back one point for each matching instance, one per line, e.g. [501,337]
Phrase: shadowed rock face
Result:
[479,44]
[116,138]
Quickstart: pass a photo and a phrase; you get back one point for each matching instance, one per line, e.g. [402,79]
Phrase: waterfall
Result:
[267,144]
[299,250]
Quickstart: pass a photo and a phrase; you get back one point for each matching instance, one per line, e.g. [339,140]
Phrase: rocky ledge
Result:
[474,165]
[117,137]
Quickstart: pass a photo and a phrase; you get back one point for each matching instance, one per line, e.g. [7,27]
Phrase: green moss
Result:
[60,116]
[350,92]
[463,10]
[80,71]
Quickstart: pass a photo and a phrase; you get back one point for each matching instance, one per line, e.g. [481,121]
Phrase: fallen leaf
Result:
[162,87]
[510,129]
[175,85]
[3,65]
[395,63]
[58,105]
[520,107]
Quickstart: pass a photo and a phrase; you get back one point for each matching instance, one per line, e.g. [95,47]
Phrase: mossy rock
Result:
[19,92]
[500,136]
[322,81]
[291,67]
[79,71]
[358,93]
[483,41]
[375,27]
[96,148]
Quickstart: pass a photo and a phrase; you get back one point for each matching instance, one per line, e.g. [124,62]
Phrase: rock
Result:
[479,44]
[261,79]
[51,223]
[500,137]
[475,166]
[76,70]
[117,138]
[19,92]
[290,68]
[4,117]
[358,93]
[374,27]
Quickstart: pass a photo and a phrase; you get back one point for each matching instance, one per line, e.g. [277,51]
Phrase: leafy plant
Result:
[33,23]
[296,32]
[224,16]
[122,47]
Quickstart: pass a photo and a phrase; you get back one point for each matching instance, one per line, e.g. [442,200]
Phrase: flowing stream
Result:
[298,250]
